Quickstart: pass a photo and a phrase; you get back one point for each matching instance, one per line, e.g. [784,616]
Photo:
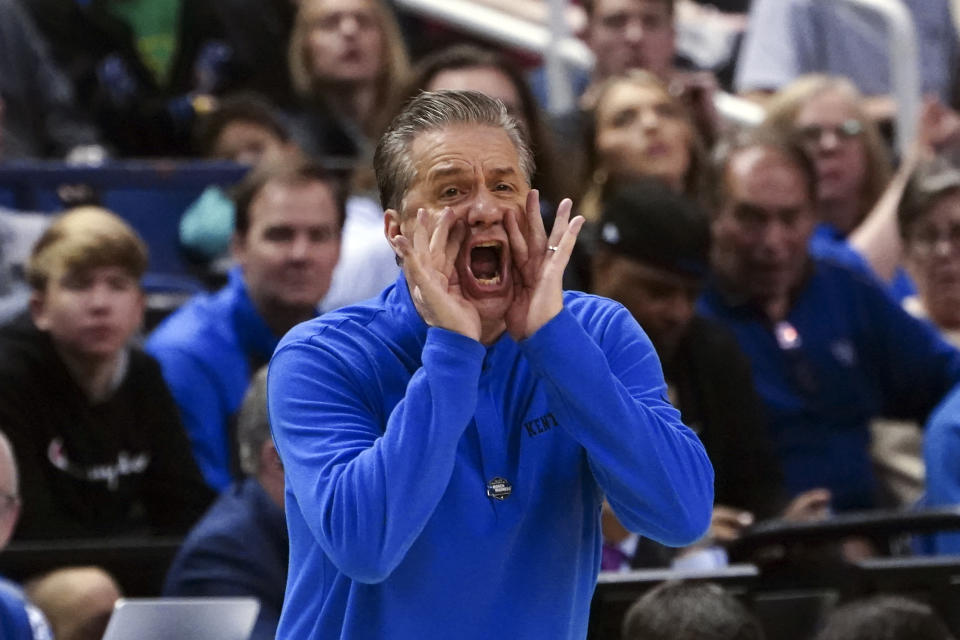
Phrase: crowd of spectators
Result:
[798,278]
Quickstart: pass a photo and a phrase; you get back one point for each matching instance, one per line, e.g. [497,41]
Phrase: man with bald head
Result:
[829,349]
[19,620]
[78,597]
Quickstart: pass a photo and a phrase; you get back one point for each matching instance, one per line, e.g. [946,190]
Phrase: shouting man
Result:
[448,446]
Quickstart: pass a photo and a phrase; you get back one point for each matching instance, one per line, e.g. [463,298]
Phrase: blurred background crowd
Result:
[772,189]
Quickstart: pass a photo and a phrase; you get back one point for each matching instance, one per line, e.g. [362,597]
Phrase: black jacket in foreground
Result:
[716,397]
[118,467]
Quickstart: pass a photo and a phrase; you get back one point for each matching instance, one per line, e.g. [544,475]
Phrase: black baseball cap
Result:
[648,222]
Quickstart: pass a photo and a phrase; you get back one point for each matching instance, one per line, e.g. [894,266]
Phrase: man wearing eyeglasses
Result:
[19,620]
[829,349]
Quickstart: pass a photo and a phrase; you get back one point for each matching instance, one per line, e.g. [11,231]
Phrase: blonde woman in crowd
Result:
[347,60]
[639,129]
[826,115]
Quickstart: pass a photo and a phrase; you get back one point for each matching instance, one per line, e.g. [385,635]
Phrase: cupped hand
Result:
[538,265]
[429,265]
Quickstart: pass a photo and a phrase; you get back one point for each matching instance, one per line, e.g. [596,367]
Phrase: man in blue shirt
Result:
[829,349]
[652,257]
[448,446]
[286,245]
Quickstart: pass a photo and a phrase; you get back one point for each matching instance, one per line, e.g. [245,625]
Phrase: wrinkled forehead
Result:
[630,93]
[831,105]
[766,175]
[293,202]
[943,209]
[462,147]
[314,8]
[602,8]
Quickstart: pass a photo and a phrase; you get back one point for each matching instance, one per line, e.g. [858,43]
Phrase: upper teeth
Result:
[489,243]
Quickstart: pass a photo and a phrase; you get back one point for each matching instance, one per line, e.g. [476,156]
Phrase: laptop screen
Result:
[182,618]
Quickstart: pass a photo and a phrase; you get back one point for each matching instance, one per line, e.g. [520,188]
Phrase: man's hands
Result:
[429,266]
[538,269]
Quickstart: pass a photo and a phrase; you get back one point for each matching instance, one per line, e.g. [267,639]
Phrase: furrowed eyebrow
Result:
[445,171]
[502,172]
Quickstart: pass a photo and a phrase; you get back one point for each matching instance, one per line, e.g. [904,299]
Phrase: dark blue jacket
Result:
[857,356]
[239,548]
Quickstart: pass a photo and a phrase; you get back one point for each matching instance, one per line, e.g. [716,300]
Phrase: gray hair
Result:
[431,111]
[253,424]
[929,182]
[763,136]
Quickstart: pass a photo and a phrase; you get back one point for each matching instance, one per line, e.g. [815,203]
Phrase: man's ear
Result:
[38,306]
[391,227]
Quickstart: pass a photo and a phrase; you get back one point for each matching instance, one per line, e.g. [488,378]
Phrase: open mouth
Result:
[485,262]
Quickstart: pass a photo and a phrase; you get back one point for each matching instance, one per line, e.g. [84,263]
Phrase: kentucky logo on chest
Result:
[540,425]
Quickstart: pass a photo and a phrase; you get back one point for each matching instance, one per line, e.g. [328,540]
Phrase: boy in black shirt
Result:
[97,436]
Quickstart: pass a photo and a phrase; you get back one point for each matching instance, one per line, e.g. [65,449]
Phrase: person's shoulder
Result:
[221,520]
[946,415]
[580,303]
[350,322]
[232,521]
[838,273]
[20,620]
[216,548]
[24,350]
[705,333]
[711,300]
[10,593]
[202,318]
[595,313]
[144,368]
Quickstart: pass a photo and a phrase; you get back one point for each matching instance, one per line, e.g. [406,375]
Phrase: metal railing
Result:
[904,65]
